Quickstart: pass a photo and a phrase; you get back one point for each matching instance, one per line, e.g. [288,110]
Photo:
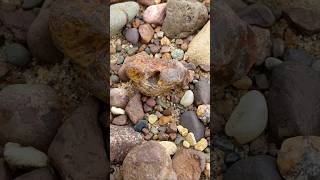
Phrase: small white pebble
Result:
[187,99]
[117,111]
[152,118]
[186,144]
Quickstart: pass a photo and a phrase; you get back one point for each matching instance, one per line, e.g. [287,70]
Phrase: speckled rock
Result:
[148,161]
[134,108]
[183,18]
[188,164]
[299,158]
[122,139]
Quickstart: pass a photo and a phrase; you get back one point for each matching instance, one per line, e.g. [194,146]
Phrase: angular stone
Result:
[264,44]
[120,120]
[79,141]
[134,109]
[202,93]
[118,97]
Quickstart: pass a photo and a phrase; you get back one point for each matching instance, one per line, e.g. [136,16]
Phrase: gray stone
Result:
[190,121]
[202,92]
[17,54]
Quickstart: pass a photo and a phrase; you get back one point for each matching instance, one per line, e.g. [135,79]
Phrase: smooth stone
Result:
[17,54]
[261,81]
[24,157]
[190,121]
[249,119]
[120,120]
[187,99]
[132,35]
[117,111]
[155,14]
[146,32]
[271,62]
[278,47]
[244,83]
[260,167]
[299,56]
[201,145]
[152,118]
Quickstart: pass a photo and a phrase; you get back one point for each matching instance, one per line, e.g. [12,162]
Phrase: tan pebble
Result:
[201,145]
[170,147]
[183,131]
[186,144]
[166,56]
[191,139]
[165,41]
[165,120]
[152,118]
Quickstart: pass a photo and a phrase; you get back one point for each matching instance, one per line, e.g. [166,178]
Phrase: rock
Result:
[33,109]
[271,62]
[146,32]
[187,99]
[188,164]
[132,35]
[172,128]
[165,120]
[141,124]
[151,102]
[155,14]
[42,173]
[249,119]
[147,2]
[117,111]
[236,5]
[17,54]
[134,108]
[278,47]
[121,14]
[186,144]
[244,83]
[39,39]
[152,76]
[29,4]
[4,170]
[264,44]
[120,120]
[229,61]
[201,145]
[74,26]
[191,139]
[177,54]
[203,113]
[183,18]
[165,42]
[299,157]
[199,47]
[258,14]
[260,167]
[118,97]
[80,133]
[148,161]
[152,118]
[302,14]
[262,81]
[299,56]
[170,147]
[202,93]
[190,121]
[122,139]
[183,131]
[295,88]
[24,157]
[16,21]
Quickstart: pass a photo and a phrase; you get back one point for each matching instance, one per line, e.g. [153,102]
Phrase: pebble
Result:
[146,33]
[17,54]
[172,128]
[177,54]
[114,79]
[178,139]
[299,56]
[171,147]
[278,47]
[186,144]
[132,35]
[134,109]
[190,121]
[203,113]
[120,120]
[163,136]
[165,41]
[201,145]
[202,92]
[165,120]
[154,130]
[155,14]
[272,62]
[160,34]
[152,118]
[249,118]
[140,125]
[191,139]
[187,99]
[183,131]
[172,136]
[117,111]
[151,102]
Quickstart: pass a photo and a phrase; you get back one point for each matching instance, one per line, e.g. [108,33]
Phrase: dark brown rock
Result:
[258,14]
[39,38]
[294,101]
[79,144]
[39,174]
[122,140]
[29,115]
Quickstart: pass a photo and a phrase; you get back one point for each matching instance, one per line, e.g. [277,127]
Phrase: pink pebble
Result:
[155,14]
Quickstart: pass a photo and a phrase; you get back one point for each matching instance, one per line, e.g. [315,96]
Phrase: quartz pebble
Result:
[186,144]
[191,139]
[117,111]
[183,131]
[201,145]
[171,147]
[187,98]
[152,118]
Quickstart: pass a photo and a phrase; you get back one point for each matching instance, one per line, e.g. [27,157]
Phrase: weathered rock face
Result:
[148,161]
[79,143]
[184,17]
[39,38]
[153,77]
[232,57]
[295,88]
[78,28]
[299,158]
[29,115]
